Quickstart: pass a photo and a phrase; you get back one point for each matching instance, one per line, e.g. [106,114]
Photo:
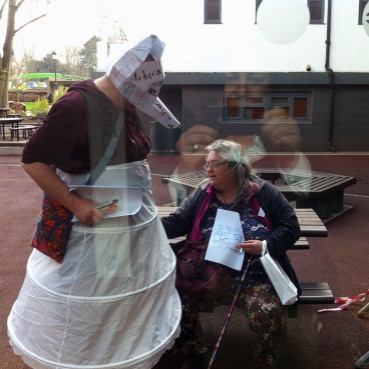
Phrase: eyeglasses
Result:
[208,166]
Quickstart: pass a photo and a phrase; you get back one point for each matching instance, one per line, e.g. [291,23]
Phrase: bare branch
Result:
[20,3]
[31,21]
[2,8]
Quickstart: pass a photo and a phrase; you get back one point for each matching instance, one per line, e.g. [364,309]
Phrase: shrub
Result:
[62,90]
[40,108]
[27,95]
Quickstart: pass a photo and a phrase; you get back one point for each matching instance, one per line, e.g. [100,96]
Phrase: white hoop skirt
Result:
[112,302]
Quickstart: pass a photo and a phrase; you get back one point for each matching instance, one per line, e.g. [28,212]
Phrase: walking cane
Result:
[364,310]
[364,360]
[228,318]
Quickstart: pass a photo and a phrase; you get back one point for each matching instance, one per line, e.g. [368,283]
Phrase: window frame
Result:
[321,19]
[267,103]
[315,21]
[362,5]
[257,4]
[206,12]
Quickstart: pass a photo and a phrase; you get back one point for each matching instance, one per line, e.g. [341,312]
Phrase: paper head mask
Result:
[138,75]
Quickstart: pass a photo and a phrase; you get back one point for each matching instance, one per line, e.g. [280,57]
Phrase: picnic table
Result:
[320,191]
[4,112]
[12,122]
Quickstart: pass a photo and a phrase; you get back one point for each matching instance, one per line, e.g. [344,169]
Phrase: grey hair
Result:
[237,161]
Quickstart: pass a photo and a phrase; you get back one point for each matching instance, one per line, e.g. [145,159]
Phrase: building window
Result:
[362,6]
[233,107]
[213,11]
[258,2]
[250,107]
[316,8]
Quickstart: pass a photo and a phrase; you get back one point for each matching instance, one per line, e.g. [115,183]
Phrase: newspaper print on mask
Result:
[140,81]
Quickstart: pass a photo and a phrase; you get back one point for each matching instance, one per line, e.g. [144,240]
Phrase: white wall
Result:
[237,44]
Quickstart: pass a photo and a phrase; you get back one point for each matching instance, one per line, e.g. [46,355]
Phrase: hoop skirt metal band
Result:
[112,303]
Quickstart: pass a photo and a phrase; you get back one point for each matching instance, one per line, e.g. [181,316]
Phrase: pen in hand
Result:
[107,206]
[240,250]
[107,210]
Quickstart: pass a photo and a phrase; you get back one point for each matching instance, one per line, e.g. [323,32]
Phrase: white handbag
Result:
[285,289]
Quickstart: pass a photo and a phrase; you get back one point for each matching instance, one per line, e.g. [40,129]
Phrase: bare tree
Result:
[29,60]
[18,69]
[6,58]
[72,62]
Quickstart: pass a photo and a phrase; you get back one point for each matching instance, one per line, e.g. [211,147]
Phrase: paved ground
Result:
[315,340]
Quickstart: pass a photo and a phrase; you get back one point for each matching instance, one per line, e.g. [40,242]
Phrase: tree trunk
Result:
[7,54]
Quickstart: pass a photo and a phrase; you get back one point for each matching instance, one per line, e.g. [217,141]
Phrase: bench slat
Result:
[322,186]
[316,293]
[308,229]
[316,297]
[301,244]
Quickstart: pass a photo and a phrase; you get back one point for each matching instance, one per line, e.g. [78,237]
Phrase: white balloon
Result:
[283,21]
[365,18]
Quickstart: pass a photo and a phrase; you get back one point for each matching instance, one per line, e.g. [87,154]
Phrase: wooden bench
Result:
[26,130]
[316,293]
[320,191]
[301,244]
[312,293]
[323,194]
[311,225]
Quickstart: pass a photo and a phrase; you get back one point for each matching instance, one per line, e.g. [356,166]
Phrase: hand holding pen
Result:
[107,206]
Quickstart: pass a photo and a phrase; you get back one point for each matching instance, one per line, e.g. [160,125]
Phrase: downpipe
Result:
[330,77]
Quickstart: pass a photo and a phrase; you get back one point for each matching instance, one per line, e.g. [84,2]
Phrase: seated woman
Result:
[265,216]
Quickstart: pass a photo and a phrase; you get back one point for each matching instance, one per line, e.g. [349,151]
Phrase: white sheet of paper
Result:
[129,198]
[227,233]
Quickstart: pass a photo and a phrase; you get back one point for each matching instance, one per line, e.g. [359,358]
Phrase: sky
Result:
[73,22]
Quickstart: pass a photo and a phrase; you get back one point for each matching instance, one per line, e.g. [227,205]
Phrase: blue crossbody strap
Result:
[95,173]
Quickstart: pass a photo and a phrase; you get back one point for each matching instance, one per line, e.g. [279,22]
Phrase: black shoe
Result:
[194,362]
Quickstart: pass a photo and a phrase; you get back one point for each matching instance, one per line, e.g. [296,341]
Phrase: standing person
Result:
[110,301]
[265,216]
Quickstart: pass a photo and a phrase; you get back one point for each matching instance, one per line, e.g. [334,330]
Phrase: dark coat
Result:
[279,217]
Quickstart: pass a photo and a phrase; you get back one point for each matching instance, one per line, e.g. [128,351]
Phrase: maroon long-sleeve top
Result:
[63,139]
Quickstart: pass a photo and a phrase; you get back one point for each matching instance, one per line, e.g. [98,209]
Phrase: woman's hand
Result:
[280,132]
[47,179]
[196,139]
[251,247]
[85,211]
